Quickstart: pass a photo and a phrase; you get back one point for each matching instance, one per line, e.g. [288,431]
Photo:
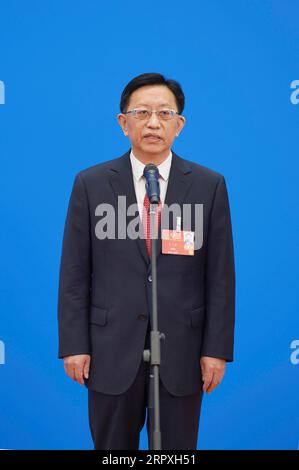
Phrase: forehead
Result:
[153,95]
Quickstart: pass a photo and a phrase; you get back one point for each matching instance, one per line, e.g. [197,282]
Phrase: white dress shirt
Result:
[139,179]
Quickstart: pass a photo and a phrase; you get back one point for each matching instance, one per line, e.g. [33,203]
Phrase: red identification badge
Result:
[177,242]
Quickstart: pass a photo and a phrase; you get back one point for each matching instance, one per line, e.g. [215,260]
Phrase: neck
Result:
[157,159]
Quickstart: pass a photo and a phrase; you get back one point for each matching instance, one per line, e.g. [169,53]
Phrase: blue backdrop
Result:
[63,65]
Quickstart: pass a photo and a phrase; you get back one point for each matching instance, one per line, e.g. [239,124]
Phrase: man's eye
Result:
[165,113]
[142,112]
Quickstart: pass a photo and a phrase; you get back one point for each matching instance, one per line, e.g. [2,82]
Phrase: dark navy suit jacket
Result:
[104,302]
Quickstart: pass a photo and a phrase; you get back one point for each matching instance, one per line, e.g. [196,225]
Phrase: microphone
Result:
[151,174]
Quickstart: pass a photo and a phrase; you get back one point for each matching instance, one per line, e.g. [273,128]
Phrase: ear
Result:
[180,124]
[122,120]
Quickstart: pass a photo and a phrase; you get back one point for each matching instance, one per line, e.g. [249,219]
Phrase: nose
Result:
[153,122]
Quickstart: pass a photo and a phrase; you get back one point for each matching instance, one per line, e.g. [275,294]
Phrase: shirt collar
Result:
[138,167]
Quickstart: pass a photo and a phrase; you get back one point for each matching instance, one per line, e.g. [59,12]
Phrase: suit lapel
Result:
[121,180]
[180,179]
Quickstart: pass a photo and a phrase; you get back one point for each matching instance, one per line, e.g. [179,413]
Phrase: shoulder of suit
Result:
[98,169]
[201,170]
[197,169]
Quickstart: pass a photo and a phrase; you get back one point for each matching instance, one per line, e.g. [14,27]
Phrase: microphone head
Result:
[151,169]
[151,174]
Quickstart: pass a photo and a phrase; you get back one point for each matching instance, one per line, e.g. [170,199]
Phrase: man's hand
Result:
[212,370]
[77,367]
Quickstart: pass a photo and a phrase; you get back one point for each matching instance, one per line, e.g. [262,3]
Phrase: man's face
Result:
[141,132]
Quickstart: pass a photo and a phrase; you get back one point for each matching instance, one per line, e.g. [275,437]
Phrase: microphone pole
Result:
[153,355]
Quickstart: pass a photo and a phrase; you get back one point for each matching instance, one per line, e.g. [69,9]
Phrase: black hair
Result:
[152,79]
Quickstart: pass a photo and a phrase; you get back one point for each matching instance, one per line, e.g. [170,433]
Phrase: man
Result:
[104,305]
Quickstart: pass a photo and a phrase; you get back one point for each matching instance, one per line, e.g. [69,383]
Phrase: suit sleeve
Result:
[75,276]
[218,336]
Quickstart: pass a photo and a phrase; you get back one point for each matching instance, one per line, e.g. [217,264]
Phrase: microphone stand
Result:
[153,354]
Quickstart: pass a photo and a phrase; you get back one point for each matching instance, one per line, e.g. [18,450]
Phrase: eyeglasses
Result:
[143,114]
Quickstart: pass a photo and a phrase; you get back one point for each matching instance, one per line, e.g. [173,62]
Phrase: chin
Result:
[153,148]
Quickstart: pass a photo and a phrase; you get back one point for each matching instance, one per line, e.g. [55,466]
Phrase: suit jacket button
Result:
[150,278]
[142,317]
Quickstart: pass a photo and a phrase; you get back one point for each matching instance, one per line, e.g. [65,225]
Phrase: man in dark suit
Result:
[104,306]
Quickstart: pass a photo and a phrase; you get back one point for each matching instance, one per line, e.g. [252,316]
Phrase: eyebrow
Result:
[145,104]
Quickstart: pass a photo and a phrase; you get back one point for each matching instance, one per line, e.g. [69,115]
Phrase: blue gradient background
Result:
[64,65]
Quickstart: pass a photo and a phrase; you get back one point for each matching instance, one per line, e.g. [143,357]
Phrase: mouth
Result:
[152,138]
